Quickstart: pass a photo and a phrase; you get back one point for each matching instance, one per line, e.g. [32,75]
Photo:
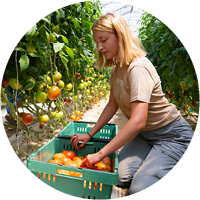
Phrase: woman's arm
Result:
[137,121]
[108,112]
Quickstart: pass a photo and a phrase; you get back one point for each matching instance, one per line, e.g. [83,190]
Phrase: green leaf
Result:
[24,62]
[65,39]
[69,52]
[76,23]
[58,46]
[19,49]
[46,20]
[31,33]
[35,55]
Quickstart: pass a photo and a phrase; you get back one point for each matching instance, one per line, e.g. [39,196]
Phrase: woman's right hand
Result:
[79,137]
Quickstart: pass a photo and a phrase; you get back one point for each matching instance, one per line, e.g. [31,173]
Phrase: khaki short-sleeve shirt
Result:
[140,81]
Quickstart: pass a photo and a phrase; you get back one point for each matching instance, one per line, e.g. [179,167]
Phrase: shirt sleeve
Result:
[141,84]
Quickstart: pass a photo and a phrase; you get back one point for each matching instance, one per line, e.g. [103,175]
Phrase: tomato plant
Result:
[172,61]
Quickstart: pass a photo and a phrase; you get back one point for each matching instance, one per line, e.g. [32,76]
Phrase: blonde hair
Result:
[130,47]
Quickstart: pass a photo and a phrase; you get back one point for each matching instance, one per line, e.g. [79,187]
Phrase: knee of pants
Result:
[124,180]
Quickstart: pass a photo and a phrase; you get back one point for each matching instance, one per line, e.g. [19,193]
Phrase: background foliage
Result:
[173,63]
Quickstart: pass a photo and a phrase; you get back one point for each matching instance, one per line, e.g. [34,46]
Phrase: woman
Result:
[156,135]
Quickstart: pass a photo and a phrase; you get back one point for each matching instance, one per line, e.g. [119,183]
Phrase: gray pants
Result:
[152,154]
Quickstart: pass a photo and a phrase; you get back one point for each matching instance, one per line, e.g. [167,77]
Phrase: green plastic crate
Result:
[93,184]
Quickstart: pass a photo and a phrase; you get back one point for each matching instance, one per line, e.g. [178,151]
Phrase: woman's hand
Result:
[79,137]
[91,159]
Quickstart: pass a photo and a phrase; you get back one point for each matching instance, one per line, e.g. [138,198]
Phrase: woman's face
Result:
[107,44]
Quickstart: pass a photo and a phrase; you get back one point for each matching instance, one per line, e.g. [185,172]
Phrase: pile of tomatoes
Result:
[69,158]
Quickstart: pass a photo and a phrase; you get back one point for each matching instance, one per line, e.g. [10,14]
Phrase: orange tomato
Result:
[64,160]
[107,161]
[72,163]
[69,154]
[78,160]
[53,93]
[78,113]
[58,156]
[55,161]
[103,167]
[73,117]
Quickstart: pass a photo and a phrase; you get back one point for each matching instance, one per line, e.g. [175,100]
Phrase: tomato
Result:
[61,84]
[53,93]
[14,84]
[57,76]
[89,97]
[92,91]
[64,160]
[58,156]
[56,161]
[78,113]
[75,97]
[65,99]
[78,160]
[40,126]
[27,119]
[19,103]
[43,119]
[40,96]
[73,117]
[50,37]
[42,86]
[87,91]
[48,79]
[30,83]
[69,86]
[69,154]
[89,82]
[107,161]
[57,114]
[56,29]
[20,114]
[101,93]
[5,82]
[103,167]
[170,96]
[80,86]
[72,163]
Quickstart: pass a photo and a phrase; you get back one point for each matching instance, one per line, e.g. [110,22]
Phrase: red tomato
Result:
[69,154]
[5,82]
[27,119]
[53,93]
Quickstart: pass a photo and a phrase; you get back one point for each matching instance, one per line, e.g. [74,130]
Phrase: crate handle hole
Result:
[84,184]
[88,196]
